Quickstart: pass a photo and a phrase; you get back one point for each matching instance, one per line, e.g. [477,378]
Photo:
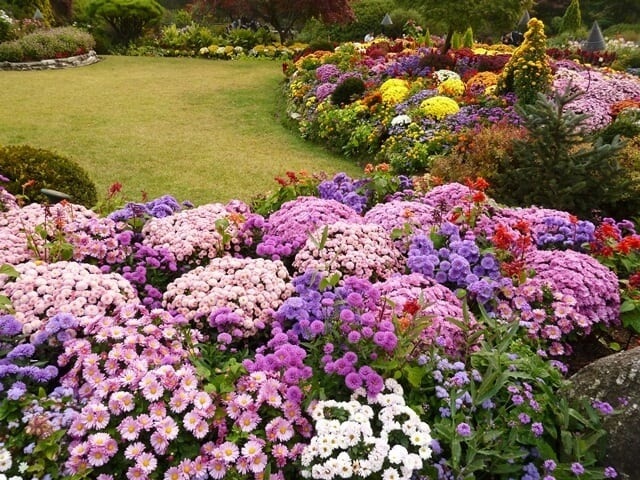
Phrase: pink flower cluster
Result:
[251,288]
[437,307]
[402,218]
[288,229]
[141,396]
[600,91]
[195,236]
[43,290]
[351,249]
[271,427]
[18,226]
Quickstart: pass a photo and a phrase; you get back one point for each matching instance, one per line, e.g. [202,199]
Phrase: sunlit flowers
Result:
[439,107]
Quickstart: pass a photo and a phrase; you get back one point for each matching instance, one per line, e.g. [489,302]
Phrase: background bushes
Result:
[31,169]
[44,44]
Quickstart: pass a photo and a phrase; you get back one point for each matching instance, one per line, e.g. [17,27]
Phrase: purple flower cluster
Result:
[470,116]
[327,72]
[346,191]
[324,90]
[407,66]
[402,218]
[560,233]
[456,261]
[157,208]
[286,230]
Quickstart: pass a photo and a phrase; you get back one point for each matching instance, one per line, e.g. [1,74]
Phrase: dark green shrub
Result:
[43,44]
[5,27]
[572,18]
[349,90]
[127,19]
[558,166]
[400,17]
[31,169]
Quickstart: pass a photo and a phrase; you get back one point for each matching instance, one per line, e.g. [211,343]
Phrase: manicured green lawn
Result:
[200,130]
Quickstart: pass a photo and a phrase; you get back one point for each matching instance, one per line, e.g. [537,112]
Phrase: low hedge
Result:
[45,44]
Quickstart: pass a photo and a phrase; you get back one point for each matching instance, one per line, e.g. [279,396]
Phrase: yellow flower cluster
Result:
[452,87]
[439,107]
[528,71]
[394,90]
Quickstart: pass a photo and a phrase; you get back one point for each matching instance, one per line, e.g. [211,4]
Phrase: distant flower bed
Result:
[47,44]
[373,328]
[420,103]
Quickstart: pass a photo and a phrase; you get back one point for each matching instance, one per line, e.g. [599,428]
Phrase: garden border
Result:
[52,64]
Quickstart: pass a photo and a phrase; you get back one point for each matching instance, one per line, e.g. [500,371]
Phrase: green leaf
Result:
[9,270]
[415,375]
[628,306]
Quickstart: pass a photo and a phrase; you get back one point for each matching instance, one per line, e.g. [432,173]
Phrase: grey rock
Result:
[613,379]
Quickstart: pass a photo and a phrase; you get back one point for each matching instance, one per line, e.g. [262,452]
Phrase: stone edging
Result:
[77,61]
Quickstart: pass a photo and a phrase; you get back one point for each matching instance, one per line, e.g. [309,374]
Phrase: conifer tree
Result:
[572,18]
[557,165]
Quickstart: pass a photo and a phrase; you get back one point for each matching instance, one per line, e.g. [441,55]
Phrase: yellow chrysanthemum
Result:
[451,87]
[482,80]
[394,90]
[439,107]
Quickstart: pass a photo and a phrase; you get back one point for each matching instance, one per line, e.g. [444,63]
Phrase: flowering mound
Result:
[427,307]
[402,215]
[362,250]
[594,286]
[439,107]
[289,228]
[445,197]
[198,235]
[394,90]
[43,290]
[238,294]
[381,436]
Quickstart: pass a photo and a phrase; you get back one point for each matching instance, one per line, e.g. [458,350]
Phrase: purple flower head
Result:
[577,468]
[463,429]
[9,326]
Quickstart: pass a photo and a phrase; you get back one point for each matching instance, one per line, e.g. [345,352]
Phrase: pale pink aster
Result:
[134,450]
[258,462]
[157,410]
[190,420]
[202,400]
[251,448]
[145,421]
[173,473]
[136,473]
[217,469]
[229,451]
[97,457]
[129,429]
[169,428]
[248,421]
[147,462]
[159,443]
[201,429]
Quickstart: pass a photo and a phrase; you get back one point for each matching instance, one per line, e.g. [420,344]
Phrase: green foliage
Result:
[31,169]
[402,17]
[291,186]
[27,8]
[467,38]
[43,44]
[193,37]
[126,18]
[5,29]
[572,19]
[527,73]
[349,90]
[570,172]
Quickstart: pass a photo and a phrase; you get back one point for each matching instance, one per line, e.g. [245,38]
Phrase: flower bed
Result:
[372,329]
[420,103]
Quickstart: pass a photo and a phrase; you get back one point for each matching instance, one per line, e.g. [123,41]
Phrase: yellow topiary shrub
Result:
[528,72]
[394,90]
[452,87]
[439,107]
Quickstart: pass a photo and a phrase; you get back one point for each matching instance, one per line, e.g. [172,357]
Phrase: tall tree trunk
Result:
[447,41]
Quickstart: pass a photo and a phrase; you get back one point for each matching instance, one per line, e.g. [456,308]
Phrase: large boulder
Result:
[616,379]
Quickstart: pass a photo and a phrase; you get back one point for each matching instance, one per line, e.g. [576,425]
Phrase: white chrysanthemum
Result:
[400,120]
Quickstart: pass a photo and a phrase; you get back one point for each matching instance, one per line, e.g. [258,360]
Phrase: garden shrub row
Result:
[47,44]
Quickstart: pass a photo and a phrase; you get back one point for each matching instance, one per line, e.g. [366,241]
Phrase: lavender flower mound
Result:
[535,217]
[157,208]
[194,237]
[407,66]
[346,191]
[456,262]
[593,285]
[546,315]
[470,116]
[324,90]
[437,305]
[601,90]
[308,304]
[446,197]
[43,290]
[149,271]
[327,72]
[286,230]
[351,249]
[237,295]
[401,215]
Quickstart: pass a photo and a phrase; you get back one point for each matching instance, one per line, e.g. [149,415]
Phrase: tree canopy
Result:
[491,16]
[285,15]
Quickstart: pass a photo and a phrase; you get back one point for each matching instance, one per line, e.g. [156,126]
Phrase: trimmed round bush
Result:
[31,169]
[349,90]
